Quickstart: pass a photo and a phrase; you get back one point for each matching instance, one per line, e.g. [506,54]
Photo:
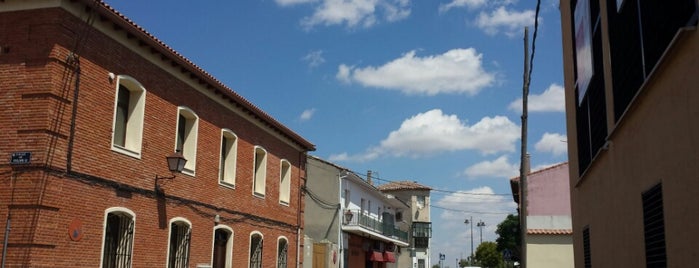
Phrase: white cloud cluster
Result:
[553,143]
[314,58]
[457,71]
[352,13]
[551,100]
[498,168]
[434,132]
[510,22]
[478,204]
[461,3]
[293,2]
[307,114]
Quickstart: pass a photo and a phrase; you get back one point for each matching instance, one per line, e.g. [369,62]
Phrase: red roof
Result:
[402,185]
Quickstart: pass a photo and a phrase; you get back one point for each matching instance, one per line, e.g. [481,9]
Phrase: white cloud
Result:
[355,13]
[433,132]
[478,204]
[293,2]
[461,3]
[314,58]
[500,168]
[553,143]
[307,114]
[343,73]
[458,71]
[551,100]
[511,22]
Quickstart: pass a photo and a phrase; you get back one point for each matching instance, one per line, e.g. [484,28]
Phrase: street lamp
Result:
[480,225]
[467,221]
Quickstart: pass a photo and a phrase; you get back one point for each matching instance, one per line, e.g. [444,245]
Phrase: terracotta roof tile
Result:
[550,231]
[402,185]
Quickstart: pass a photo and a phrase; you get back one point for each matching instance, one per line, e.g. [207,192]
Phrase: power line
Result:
[474,212]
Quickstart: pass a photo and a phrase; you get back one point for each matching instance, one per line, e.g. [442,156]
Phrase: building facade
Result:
[630,71]
[96,105]
[418,221]
[349,221]
[549,236]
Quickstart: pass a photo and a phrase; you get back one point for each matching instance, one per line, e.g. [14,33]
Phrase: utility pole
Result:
[522,165]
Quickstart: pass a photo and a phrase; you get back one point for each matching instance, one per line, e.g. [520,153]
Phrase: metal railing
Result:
[370,222]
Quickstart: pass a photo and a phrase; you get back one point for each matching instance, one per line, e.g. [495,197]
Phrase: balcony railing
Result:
[386,228]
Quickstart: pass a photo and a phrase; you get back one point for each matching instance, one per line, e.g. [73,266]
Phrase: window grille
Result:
[118,241]
[586,247]
[654,227]
[179,245]
[256,252]
[283,248]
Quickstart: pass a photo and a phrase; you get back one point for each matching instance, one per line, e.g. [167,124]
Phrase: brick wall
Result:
[37,86]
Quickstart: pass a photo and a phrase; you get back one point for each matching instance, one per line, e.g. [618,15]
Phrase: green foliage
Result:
[509,236]
[487,255]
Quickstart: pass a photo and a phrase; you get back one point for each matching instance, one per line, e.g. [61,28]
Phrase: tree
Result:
[487,255]
[509,236]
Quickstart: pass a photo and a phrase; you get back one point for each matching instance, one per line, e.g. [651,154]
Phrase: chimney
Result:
[527,164]
[368,178]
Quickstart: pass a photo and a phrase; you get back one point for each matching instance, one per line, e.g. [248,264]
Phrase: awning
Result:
[389,257]
[375,256]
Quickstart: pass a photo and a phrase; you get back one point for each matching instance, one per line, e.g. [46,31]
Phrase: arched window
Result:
[259,172]
[282,249]
[118,238]
[256,250]
[223,247]
[127,126]
[186,138]
[229,151]
[178,251]
[285,182]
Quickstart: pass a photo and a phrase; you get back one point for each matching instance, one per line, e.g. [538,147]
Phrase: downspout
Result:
[302,183]
[72,58]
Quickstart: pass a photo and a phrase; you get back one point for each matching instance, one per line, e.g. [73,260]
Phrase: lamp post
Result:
[480,225]
[467,221]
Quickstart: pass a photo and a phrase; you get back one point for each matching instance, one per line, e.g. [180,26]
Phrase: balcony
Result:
[355,221]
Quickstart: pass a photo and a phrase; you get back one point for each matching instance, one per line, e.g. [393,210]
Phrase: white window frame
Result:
[169,241]
[229,244]
[123,211]
[189,144]
[133,132]
[284,182]
[259,173]
[250,249]
[279,239]
[228,161]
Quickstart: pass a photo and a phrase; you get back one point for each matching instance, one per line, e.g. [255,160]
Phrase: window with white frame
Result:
[118,239]
[129,106]
[282,249]
[178,251]
[256,250]
[223,247]
[259,172]
[285,182]
[186,138]
[229,151]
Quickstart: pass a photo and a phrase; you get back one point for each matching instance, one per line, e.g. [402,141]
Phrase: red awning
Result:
[389,257]
[375,256]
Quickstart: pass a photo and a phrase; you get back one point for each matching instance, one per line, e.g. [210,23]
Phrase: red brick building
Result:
[93,105]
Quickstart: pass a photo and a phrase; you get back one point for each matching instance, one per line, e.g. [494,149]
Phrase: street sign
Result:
[19,158]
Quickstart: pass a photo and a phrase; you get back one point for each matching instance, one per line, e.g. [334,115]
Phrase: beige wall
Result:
[656,141]
[554,251]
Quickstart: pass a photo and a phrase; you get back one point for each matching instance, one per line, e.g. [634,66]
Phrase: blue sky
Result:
[422,90]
